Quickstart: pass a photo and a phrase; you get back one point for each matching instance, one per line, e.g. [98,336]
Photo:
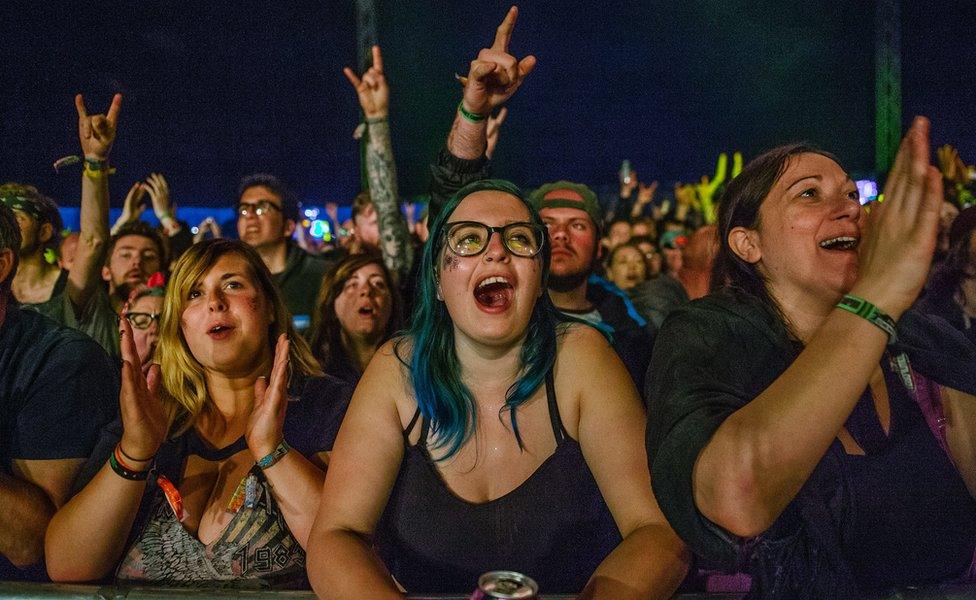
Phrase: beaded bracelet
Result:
[866,310]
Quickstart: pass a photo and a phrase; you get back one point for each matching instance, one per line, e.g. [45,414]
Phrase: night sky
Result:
[214,91]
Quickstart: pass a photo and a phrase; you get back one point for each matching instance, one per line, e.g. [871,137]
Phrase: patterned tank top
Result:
[255,551]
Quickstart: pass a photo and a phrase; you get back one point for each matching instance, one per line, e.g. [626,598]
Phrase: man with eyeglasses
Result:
[266,217]
[57,389]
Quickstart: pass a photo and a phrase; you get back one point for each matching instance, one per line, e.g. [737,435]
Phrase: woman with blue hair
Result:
[492,435]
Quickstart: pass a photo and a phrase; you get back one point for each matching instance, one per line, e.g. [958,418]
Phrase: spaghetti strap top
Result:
[909,516]
[554,527]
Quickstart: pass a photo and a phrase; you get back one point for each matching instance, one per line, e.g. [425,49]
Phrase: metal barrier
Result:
[56,591]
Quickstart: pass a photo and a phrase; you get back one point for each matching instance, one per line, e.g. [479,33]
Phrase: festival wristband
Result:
[96,169]
[123,472]
[470,116]
[866,310]
[270,460]
[96,164]
[173,497]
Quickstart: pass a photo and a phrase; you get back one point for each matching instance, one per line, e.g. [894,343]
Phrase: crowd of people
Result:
[751,383]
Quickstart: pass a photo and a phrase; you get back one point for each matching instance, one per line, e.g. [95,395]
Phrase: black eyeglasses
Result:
[258,208]
[141,320]
[470,238]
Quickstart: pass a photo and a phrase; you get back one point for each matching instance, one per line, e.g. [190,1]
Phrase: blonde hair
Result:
[184,388]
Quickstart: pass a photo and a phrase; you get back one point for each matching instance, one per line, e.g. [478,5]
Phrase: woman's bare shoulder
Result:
[579,341]
[388,377]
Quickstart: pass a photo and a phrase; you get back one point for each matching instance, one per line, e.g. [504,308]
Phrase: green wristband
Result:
[866,310]
[96,164]
[470,116]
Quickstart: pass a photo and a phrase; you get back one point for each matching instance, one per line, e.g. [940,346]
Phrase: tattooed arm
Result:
[395,243]
[374,97]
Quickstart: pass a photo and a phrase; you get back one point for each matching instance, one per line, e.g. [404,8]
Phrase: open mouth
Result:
[494,294]
[367,310]
[219,331]
[840,243]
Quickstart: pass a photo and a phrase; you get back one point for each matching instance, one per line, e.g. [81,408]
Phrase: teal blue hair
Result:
[444,400]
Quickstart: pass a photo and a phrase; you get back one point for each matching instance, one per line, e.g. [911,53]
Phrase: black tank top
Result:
[554,527]
[910,517]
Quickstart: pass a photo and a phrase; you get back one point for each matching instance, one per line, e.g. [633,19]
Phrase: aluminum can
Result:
[505,585]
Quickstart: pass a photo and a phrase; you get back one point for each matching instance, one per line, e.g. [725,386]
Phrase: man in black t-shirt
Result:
[57,389]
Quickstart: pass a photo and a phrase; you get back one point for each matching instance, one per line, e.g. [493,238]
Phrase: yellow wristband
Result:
[97,174]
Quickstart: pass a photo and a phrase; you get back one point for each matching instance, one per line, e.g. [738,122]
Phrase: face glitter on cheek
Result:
[451,262]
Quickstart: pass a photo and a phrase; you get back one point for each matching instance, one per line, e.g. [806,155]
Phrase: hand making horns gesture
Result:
[97,132]
[373,92]
[495,74]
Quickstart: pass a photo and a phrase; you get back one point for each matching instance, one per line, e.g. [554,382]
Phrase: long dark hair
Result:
[946,280]
[739,207]
[325,336]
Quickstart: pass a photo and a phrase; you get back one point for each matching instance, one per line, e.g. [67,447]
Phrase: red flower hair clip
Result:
[156,280]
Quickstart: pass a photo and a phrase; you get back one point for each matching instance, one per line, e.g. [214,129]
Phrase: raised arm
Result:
[158,189]
[97,134]
[645,195]
[362,470]
[132,208]
[651,560]
[374,99]
[762,454]
[492,79]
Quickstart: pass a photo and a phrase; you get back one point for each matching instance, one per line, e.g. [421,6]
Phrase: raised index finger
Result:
[377,59]
[503,35]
